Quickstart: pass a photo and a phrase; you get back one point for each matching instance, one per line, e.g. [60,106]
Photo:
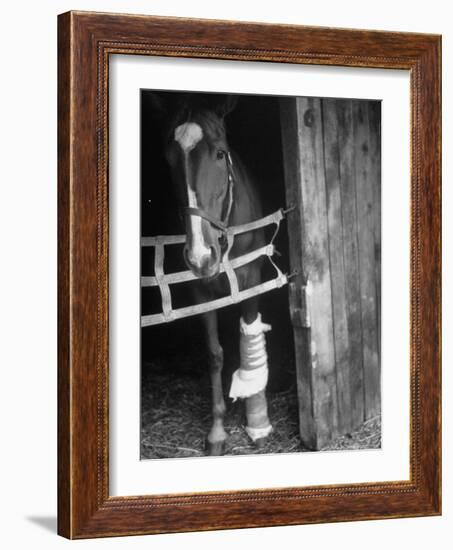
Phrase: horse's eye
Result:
[220,154]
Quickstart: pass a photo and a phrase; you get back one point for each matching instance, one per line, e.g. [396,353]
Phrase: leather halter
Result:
[221,225]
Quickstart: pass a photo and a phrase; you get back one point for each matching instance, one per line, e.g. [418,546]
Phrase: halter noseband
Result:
[221,225]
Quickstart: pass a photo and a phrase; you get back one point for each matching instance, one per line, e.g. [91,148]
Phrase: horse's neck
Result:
[246,201]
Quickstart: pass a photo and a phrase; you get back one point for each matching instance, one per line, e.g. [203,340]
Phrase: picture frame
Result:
[85,42]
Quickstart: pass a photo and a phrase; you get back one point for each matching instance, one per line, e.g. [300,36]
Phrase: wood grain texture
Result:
[64,367]
[297,298]
[339,279]
[366,251]
[351,258]
[374,119]
[316,265]
[332,153]
[85,42]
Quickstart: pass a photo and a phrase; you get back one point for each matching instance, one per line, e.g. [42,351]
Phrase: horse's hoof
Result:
[260,443]
[215,448]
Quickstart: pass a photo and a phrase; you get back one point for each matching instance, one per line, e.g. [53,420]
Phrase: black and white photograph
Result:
[260,274]
[225,267]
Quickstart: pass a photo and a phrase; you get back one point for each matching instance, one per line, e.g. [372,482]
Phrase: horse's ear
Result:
[155,105]
[228,105]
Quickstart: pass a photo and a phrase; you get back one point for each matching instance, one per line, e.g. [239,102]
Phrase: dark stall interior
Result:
[173,354]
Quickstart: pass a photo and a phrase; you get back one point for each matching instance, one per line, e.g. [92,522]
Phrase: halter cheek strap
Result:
[221,225]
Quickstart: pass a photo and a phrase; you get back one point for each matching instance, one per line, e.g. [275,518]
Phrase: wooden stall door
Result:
[331,151]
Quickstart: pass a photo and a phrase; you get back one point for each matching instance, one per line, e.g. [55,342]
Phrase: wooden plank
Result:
[305,161]
[316,265]
[374,114]
[351,258]
[291,161]
[365,227]
[331,124]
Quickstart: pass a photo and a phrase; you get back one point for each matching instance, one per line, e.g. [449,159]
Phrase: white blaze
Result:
[199,249]
[188,135]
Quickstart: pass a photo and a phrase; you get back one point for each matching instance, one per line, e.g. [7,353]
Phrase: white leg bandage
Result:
[250,380]
[251,377]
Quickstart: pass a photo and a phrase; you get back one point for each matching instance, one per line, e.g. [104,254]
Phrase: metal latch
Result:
[299,304]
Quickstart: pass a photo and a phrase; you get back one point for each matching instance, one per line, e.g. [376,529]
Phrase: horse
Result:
[215,191]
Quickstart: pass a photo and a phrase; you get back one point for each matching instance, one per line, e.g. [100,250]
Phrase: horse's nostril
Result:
[214,255]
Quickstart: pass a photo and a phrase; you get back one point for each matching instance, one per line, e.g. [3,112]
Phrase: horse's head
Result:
[200,162]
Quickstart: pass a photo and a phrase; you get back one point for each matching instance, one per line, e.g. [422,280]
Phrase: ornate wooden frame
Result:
[85,42]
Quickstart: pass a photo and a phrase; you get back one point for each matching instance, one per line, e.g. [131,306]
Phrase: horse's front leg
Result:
[250,380]
[217,435]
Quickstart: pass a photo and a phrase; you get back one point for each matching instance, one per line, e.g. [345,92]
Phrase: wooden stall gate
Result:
[332,162]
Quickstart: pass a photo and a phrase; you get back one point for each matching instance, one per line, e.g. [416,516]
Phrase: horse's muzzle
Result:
[204,265]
